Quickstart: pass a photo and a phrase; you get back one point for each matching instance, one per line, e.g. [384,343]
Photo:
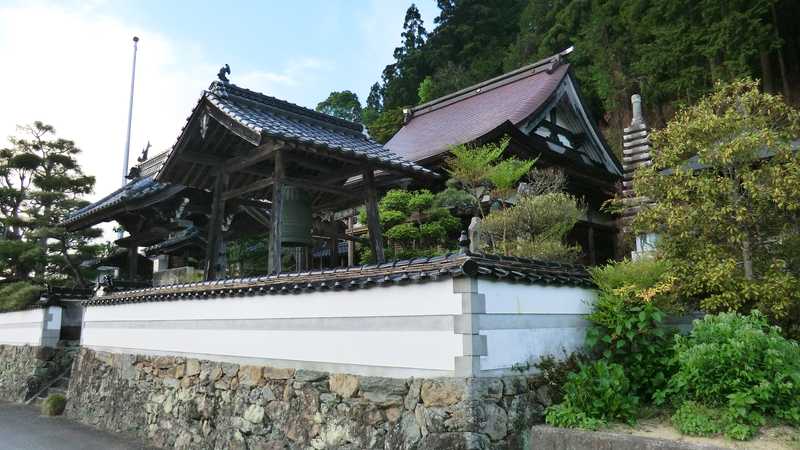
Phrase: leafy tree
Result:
[481,171]
[344,105]
[41,183]
[383,127]
[725,187]
[535,227]
[414,225]
[401,78]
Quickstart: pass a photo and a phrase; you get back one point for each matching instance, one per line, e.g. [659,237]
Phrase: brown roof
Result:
[467,115]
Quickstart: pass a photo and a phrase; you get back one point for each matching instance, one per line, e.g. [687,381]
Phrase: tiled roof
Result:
[395,272]
[280,119]
[186,237]
[138,189]
[469,114]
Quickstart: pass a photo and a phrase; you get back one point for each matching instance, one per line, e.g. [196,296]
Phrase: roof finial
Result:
[225,70]
[143,157]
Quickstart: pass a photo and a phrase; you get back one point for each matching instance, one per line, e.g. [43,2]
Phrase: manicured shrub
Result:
[742,365]
[598,393]
[18,295]
[54,405]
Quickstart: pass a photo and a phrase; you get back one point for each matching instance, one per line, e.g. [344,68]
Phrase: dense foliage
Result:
[344,105]
[595,395]
[672,52]
[40,183]
[627,322]
[414,225]
[741,365]
[729,218]
[18,295]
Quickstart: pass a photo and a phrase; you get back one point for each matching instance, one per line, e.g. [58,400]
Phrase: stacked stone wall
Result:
[177,402]
[25,369]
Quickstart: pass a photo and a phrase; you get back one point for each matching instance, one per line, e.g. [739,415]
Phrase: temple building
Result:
[539,108]
[247,165]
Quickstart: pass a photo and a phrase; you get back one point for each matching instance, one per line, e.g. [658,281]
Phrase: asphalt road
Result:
[22,428]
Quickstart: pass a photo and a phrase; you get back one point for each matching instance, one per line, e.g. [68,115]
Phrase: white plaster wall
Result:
[432,298]
[22,327]
[519,346]
[320,327]
[517,298]
[557,311]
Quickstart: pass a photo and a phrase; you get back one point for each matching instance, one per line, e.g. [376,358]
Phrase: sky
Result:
[68,63]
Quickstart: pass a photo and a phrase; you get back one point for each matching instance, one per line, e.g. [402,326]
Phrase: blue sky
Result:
[68,62]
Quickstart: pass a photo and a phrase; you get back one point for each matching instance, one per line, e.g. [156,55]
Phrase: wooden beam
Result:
[215,264]
[351,245]
[314,186]
[260,153]
[373,221]
[133,263]
[251,187]
[276,247]
[333,243]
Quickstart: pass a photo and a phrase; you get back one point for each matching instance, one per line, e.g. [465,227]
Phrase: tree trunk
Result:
[781,62]
[747,259]
[767,76]
[75,271]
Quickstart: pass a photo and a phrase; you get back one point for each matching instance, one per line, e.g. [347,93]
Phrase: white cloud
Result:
[71,68]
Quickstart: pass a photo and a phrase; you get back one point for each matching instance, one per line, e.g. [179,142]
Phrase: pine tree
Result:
[42,182]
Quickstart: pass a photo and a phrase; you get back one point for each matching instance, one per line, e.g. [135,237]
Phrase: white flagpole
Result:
[130,116]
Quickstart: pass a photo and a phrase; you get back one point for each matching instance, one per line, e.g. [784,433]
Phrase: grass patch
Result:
[54,405]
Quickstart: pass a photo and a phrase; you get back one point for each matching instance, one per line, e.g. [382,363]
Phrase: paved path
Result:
[22,428]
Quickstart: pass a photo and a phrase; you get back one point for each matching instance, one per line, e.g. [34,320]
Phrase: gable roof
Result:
[516,97]
[256,117]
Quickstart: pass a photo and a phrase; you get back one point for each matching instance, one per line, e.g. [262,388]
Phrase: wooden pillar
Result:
[133,263]
[275,246]
[215,266]
[592,251]
[373,222]
[333,243]
[351,246]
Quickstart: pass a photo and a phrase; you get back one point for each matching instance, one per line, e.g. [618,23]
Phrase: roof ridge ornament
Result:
[225,70]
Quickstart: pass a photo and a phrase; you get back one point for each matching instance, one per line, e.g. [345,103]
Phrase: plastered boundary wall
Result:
[34,327]
[462,327]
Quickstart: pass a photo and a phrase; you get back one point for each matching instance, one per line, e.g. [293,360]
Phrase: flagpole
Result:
[130,116]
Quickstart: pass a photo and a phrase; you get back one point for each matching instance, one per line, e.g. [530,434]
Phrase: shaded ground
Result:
[22,428]
[770,438]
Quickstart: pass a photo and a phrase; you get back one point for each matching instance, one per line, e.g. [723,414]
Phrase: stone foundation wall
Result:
[25,369]
[186,403]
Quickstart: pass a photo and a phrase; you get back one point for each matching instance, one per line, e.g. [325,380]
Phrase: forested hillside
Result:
[670,51]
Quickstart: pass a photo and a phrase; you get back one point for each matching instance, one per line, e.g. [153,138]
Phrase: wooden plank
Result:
[214,264]
[251,187]
[275,250]
[373,222]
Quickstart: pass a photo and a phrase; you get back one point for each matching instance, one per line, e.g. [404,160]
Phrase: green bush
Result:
[627,323]
[598,393]
[18,295]
[54,405]
[742,365]
[697,420]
